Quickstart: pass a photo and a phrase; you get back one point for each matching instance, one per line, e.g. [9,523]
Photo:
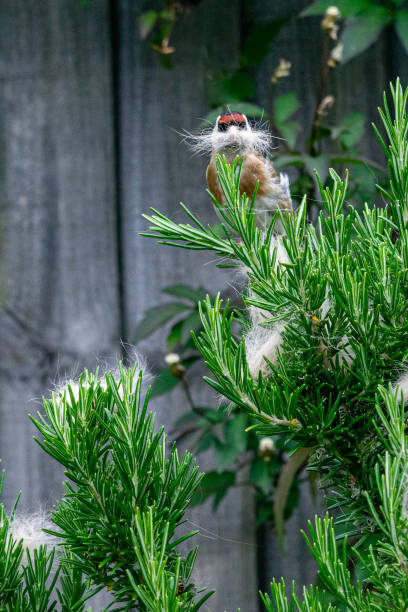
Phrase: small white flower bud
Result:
[281,71]
[329,22]
[172,358]
[333,11]
[176,367]
[324,105]
[266,448]
[336,55]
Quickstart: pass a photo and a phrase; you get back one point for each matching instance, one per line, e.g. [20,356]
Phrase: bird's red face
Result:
[228,120]
[232,135]
[231,132]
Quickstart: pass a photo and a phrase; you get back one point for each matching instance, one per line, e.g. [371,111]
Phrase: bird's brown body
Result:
[255,168]
[233,136]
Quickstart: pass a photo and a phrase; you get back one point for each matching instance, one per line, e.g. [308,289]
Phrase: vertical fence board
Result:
[59,287]
[157,170]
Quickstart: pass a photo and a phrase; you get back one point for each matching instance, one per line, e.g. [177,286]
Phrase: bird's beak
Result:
[233,133]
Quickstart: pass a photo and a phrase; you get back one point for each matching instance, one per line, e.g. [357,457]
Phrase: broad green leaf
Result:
[264,513]
[235,434]
[259,475]
[347,8]
[360,161]
[221,492]
[240,86]
[213,483]
[190,323]
[361,32]
[322,132]
[174,337]
[147,22]
[231,89]
[290,131]
[291,159]
[212,415]
[186,292]
[156,317]
[205,442]
[285,106]
[352,129]
[235,441]
[248,109]
[258,42]
[319,163]
[225,454]
[164,383]
[401,24]
[187,362]
[185,418]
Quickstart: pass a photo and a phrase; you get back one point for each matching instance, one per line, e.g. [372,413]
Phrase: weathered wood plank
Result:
[59,303]
[158,171]
[59,299]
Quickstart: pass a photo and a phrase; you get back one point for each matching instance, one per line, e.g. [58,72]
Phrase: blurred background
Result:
[94,96]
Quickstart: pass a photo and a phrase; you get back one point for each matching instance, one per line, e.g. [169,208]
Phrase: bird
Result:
[233,136]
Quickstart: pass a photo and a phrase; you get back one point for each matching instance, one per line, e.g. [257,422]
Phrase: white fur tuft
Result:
[239,140]
[131,357]
[262,343]
[29,528]
[401,387]
[284,183]
[261,346]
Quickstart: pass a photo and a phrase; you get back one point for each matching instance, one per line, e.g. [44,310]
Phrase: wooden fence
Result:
[86,146]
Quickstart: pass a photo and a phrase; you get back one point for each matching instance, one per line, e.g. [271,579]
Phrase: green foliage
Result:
[206,428]
[251,110]
[361,32]
[365,21]
[237,86]
[156,317]
[286,106]
[216,484]
[160,590]
[341,297]
[347,8]
[28,578]
[125,498]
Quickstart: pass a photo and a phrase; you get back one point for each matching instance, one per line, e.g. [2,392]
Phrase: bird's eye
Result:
[222,127]
[241,125]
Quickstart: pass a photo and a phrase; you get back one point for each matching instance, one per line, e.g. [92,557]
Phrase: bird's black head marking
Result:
[228,119]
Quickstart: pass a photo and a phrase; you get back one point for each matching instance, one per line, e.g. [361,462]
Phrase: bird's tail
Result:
[284,181]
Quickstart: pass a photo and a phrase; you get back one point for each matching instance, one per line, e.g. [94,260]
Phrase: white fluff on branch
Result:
[261,346]
[29,528]
[401,386]
[73,382]
[262,343]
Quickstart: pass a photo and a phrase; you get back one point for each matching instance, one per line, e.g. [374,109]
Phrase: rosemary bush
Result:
[125,497]
[334,391]
[339,295]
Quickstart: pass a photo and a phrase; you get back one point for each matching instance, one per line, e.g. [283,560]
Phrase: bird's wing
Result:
[212,181]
